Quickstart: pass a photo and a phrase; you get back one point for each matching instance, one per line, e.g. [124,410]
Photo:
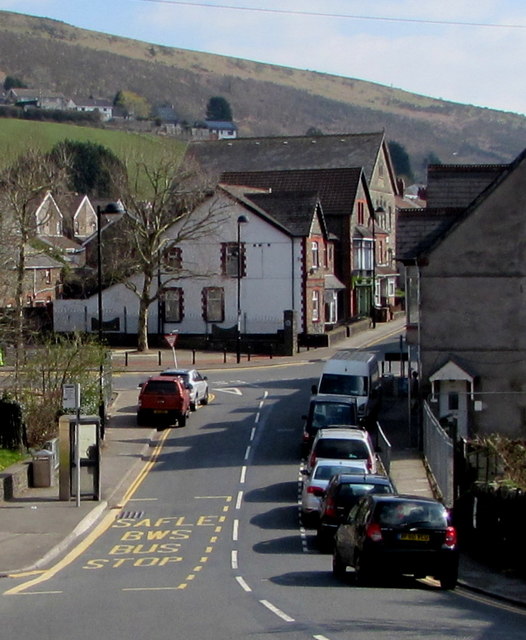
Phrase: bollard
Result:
[159,357]
[270,350]
[224,356]
[248,353]
[193,356]
[126,359]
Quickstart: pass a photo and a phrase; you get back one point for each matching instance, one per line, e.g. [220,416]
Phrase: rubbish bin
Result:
[43,468]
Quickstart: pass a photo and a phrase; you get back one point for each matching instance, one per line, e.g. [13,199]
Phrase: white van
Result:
[354,373]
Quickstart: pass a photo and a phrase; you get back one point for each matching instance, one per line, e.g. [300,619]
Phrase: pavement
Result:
[37,528]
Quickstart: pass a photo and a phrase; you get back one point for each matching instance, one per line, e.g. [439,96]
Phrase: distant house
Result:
[465,280]
[41,98]
[90,105]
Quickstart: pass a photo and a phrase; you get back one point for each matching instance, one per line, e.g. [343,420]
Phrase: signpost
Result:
[171,339]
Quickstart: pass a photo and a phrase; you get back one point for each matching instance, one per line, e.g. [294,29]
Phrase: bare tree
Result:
[23,185]
[161,202]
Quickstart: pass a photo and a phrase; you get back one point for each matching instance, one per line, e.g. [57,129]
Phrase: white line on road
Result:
[235,530]
[252,434]
[233,559]
[277,611]
[247,452]
[243,584]
[239,499]
[243,475]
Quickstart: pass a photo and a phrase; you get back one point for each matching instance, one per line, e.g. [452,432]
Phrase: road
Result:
[210,546]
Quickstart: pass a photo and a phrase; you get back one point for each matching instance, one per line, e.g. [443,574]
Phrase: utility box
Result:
[43,471]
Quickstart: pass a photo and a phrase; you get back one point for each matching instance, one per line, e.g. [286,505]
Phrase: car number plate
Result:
[415,537]
[160,411]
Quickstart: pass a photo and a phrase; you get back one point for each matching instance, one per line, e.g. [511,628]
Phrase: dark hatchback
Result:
[326,410]
[397,534]
[342,493]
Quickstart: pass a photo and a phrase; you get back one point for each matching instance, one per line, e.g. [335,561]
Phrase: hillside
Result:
[265,99]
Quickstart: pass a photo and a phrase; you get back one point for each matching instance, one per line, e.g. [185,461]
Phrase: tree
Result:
[22,188]
[401,161]
[133,104]
[218,109]
[92,168]
[161,201]
[11,82]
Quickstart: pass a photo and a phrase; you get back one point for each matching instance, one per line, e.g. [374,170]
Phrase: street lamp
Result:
[111,207]
[242,219]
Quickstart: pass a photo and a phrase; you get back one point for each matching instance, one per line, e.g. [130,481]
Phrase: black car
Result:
[326,410]
[342,493]
[402,534]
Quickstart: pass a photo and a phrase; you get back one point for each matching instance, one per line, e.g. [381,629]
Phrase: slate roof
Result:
[336,187]
[418,229]
[294,210]
[458,185]
[290,152]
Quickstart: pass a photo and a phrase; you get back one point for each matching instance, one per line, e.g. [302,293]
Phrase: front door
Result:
[453,403]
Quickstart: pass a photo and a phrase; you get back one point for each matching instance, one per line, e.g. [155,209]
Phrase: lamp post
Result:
[111,207]
[242,219]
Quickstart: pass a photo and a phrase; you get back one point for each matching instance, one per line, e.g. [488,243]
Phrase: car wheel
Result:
[448,579]
[140,418]
[338,566]
[193,406]
[204,399]
[181,421]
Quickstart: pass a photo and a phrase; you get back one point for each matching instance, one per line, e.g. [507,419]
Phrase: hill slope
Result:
[265,99]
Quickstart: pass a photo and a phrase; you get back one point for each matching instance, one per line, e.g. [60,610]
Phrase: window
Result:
[173,258]
[315,250]
[233,263]
[173,305]
[361,213]
[48,276]
[213,304]
[452,401]
[315,305]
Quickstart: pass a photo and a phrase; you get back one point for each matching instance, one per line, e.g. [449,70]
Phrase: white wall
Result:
[266,290]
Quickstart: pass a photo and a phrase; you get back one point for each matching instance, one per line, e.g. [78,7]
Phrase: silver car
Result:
[196,384]
[316,482]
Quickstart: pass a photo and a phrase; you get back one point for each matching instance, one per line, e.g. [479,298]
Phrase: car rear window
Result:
[343,449]
[351,492]
[325,472]
[401,514]
[327,413]
[160,387]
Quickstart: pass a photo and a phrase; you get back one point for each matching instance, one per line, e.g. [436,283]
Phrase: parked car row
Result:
[356,510]
[168,398]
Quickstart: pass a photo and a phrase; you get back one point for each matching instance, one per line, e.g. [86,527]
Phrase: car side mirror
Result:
[314,389]
[305,472]
[141,384]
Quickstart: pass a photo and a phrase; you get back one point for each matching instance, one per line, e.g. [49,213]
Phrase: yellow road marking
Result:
[105,524]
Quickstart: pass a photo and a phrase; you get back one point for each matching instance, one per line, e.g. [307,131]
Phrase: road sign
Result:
[171,339]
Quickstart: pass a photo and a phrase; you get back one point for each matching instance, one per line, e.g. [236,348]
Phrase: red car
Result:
[163,399]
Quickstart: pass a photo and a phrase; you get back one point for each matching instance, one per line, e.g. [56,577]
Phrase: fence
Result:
[439,453]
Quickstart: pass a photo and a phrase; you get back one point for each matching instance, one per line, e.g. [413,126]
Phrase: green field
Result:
[18,135]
